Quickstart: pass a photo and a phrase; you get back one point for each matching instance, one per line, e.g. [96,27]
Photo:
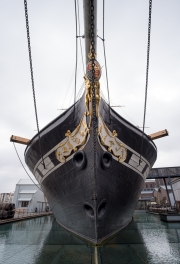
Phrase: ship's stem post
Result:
[87,26]
[96,255]
[90,27]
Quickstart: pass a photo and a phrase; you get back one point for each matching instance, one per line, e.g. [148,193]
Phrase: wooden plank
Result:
[159,134]
[19,140]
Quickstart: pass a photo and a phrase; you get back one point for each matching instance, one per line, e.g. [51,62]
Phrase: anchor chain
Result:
[94,118]
[147,75]
[32,79]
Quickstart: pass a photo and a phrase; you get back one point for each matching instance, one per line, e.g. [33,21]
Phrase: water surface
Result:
[41,240]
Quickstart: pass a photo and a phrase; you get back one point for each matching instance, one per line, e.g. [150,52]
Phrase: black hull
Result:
[91,202]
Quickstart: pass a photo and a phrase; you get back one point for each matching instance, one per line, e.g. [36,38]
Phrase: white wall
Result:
[37,197]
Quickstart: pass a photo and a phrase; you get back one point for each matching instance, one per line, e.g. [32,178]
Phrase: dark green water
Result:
[146,240]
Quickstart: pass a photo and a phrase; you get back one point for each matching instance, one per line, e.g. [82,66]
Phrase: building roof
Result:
[28,191]
[147,198]
[164,187]
[144,192]
[150,180]
[25,199]
[25,182]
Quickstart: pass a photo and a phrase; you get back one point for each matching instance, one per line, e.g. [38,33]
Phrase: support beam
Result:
[167,192]
[160,134]
[165,172]
[19,140]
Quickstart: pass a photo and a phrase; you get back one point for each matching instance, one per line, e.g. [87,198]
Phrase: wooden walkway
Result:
[24,216]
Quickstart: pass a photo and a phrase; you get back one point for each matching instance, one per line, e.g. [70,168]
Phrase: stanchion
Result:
[95,255]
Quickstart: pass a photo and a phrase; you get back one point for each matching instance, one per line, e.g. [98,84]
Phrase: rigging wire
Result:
[105,56]
[24,167]
[147,75]
[77,19]
[71,95]
[32,76]
[35,183]
[77,96]
[80,91]
[103,39]
[67,90]
[104,97]
[76,58]
[135,124]
[79,35]
[112,102]
[104,49]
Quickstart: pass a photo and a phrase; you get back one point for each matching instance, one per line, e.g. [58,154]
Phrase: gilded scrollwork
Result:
[73,141]
[111,142]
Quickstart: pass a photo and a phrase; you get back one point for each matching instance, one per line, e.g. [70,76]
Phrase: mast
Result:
[87,25]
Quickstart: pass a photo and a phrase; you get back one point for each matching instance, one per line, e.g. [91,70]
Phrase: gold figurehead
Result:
[89,84]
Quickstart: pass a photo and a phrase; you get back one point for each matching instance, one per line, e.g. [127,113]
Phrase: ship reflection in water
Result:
[146,240]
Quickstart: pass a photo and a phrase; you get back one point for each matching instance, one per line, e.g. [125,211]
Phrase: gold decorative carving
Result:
[81,133]
[92,76]
[90,56]
[73,141]
[109,139]
[68,133]
[88,95]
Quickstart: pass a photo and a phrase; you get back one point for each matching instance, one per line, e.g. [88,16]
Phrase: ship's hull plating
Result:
[93,202]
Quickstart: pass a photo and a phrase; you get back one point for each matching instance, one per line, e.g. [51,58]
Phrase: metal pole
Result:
[87,26]
[167,192]
[100,255]
[95,256]
[91,256]
[172,191]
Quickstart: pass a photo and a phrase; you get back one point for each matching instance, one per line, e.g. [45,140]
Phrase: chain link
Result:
[147,74]
[94,118]
[32,77]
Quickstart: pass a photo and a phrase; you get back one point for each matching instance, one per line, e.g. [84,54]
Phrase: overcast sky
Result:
[52,31]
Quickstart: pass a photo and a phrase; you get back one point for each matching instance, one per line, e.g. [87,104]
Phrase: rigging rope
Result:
[77,21]
[80,37]
[104,49]
[105,58]
[147,74]
[36,184]
[80,91]
[24,167]
[75,72]
[76,58]
[32,76]
[67,90]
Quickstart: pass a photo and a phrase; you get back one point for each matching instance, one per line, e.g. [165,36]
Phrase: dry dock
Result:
[40,240]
